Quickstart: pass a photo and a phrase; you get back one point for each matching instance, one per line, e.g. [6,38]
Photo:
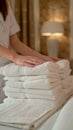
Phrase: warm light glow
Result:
[57,34]
[52,34]
[46,34]
[52,28]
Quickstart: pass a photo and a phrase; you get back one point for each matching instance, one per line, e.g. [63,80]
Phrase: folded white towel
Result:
[35,93]
[15,95]
[53,91]
[63,64]
[56,101]
[48,68]
[36,84]
[68,92]
[19,112]
[32,94]
[64,74]
[15,90]
[65,70]
[71,80]
[37,96]
[66,83]
[10,100]
[31,78]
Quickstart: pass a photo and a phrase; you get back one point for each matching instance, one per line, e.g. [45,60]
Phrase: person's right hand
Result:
[27,60]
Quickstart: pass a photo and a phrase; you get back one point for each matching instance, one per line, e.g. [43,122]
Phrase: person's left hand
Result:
[27,60]
[52,59]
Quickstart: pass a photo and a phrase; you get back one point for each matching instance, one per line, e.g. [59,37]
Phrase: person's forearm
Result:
[27,51]
[5,52]
[24,49]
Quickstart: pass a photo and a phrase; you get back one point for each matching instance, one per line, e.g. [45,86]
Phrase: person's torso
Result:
[4,35]
[4,30]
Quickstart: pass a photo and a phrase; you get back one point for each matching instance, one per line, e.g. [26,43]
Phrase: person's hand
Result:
[55,59]
[27,60]
[52,59]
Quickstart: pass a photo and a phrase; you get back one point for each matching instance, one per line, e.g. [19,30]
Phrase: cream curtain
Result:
[12,2]
[24,12]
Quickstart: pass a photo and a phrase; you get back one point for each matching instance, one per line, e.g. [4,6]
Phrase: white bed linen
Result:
[65,118]
[46,126]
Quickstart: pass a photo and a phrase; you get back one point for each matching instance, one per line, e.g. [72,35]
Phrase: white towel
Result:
[65,75]
[12,100]
[15,90]
[48,94]
[66,83]
[31,78]
[54,91]
[36,84]
[15,95]
[68,90]
[63,64]
[65,69]
[66,72]
[56,101]
[48,68]
[30,96]
[24,112]
[32,93]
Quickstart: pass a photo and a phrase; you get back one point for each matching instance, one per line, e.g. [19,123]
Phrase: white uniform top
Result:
[7,28]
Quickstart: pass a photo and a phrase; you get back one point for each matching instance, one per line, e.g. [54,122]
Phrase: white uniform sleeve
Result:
[14,27]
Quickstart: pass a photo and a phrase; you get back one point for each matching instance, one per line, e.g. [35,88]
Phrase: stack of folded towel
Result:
[40,82]
[38,93]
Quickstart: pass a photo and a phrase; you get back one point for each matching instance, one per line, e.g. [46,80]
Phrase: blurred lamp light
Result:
[52,30]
